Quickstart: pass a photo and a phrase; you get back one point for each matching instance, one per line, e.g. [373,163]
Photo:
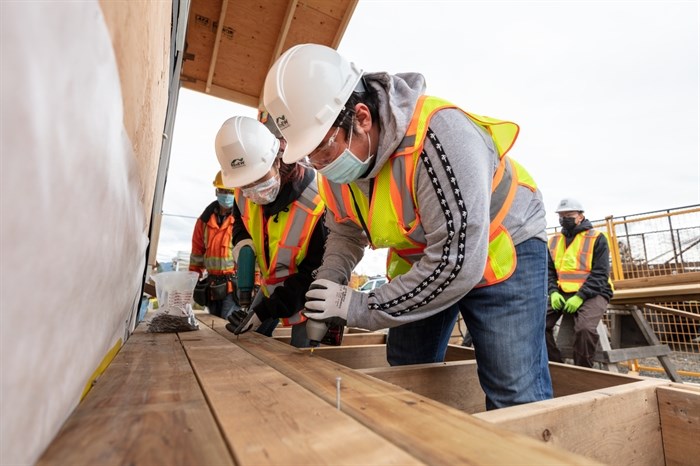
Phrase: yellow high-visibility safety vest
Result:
[575,262]
[392,215]
[287,233]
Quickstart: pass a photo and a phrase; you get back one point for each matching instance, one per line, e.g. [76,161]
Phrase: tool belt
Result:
[214,288]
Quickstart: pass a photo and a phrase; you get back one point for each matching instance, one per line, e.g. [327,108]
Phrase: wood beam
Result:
[217,43]
[428,430]
[613,425]
[344,24]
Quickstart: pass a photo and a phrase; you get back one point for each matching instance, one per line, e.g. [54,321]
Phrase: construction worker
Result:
[212,250]
[579,281]
[463,222]
[279,213]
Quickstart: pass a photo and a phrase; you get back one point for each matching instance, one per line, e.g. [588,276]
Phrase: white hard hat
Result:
[305,90]
[569,204]
[246,150]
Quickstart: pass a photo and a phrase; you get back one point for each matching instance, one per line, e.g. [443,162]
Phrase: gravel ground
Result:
[683,362]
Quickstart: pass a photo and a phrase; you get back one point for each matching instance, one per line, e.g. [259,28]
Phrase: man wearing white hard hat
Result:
[463,222]
[579,281]
[277,212]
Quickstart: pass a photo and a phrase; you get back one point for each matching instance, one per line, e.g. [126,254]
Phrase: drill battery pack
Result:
[334,335]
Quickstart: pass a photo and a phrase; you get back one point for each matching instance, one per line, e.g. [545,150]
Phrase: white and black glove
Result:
[241,322]
[239,245]
[328,302]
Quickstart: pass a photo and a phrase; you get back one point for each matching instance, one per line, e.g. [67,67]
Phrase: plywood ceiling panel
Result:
[252,35]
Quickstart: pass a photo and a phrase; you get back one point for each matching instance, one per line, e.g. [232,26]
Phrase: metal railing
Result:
[660,244]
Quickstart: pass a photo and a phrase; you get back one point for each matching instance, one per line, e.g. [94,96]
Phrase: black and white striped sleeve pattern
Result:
[445,269]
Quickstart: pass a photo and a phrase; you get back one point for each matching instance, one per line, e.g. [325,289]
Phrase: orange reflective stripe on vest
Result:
[575,262]
[287,235]
[392,216]
[218,258]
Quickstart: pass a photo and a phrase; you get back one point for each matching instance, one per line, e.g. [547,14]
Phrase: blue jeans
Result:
[507,325]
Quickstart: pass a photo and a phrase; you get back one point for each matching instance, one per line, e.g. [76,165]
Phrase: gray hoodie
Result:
[449,268]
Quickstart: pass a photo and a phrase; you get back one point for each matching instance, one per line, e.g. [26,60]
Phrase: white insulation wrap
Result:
[73,227]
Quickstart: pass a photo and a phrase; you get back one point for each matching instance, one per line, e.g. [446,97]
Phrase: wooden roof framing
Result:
[231,44]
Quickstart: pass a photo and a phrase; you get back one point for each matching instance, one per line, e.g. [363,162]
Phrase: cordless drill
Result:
[245,284]
[245,279]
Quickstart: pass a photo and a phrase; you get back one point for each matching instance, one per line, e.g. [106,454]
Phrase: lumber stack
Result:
[209,397]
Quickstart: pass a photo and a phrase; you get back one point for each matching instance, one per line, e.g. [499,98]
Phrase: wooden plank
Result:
[455,384]
[146,402]
[459,353]
[679,410]
[432,432]
[683,292]
[268,419]
[616,425]
[639,352]
[570,380]
[349,339]
[354,357]
[670,310]
[661,280]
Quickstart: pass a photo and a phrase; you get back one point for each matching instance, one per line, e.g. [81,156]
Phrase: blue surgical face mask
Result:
[225,200]
[347,168]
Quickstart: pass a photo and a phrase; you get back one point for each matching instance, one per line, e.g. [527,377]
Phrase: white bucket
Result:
[174,289]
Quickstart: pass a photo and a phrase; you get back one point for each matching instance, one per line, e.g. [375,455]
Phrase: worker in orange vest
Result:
[279,213]
[463,222]
[579,281]
[212,251]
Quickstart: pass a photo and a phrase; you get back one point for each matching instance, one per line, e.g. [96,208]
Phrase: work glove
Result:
[241,321]
[573,303]
[557,301]
[328,302]
[239,245]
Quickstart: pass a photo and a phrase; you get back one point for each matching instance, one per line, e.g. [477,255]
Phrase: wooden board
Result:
[570,380]
[455,384]
[354,357]
[146,409]
[616,425]
[349,339]
[233,57]
[657,294]
[661,280]
[430,431]
[679,409]
[269,419]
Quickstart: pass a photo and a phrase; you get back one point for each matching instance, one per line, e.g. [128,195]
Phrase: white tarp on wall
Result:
[73,230]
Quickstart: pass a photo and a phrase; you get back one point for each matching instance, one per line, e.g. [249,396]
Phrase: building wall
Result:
[83,106]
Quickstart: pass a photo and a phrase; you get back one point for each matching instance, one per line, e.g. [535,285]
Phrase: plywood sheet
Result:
[253,34]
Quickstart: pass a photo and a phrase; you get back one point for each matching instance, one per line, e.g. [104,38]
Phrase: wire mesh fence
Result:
[654,249]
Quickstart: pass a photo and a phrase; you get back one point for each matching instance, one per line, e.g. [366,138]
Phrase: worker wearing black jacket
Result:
[277,212]
[579,281]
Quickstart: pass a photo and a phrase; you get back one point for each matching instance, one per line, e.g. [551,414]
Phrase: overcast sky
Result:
[606,95]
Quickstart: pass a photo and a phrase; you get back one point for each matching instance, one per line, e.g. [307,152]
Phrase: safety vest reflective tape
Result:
[392,215]
[575,262]
[286,234]
[218,256]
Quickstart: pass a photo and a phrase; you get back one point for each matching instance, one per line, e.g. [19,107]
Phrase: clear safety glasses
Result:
[325,153]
